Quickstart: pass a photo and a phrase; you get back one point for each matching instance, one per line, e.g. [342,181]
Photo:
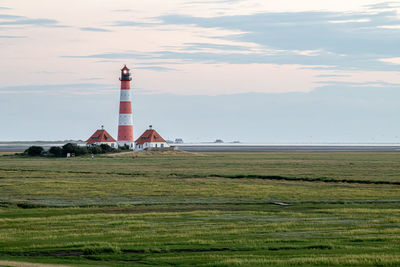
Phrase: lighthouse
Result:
[125,122]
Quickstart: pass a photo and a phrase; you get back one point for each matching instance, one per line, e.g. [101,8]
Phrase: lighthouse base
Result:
[129,144]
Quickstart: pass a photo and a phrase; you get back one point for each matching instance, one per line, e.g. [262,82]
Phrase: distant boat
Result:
[218,141]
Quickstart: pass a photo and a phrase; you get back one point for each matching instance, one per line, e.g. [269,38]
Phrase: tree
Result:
[34,151]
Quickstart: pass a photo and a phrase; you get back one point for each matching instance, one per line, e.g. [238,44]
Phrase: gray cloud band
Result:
[346,41]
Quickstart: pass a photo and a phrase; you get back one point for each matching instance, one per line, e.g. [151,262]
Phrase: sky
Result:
[239,70]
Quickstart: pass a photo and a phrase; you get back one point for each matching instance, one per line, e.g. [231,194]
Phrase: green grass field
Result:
[202,209]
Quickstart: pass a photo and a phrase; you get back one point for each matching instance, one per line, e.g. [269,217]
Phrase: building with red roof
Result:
[150,139]
[100,137]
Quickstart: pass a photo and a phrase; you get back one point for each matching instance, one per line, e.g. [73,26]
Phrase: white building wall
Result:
[128,143]
[152,145]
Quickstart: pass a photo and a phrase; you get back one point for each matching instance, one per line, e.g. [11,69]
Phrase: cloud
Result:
[135,24]
[345,41]
[33,22]
[328,60]
[370,84]
[308,30]
[92,29]
[155,68]
[351,41]
[335,40]
[5,16]
[223,47]
[395,60]
[332,75]
[110,55]
[384,5]
[14,20]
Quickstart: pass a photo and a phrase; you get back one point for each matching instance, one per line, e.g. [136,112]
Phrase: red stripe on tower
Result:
[125,107]
[125,123]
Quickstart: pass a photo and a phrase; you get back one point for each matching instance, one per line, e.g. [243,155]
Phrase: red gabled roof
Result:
[100,136]
[149,136]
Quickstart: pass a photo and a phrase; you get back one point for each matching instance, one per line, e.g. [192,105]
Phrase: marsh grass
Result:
[254,234]
[215,209]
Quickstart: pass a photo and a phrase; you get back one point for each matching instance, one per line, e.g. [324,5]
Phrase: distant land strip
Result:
[226,147]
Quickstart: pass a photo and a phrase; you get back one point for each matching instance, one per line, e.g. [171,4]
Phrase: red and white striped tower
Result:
[125,123]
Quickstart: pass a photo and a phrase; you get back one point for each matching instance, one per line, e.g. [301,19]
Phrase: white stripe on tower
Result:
[125,95]
[125,119]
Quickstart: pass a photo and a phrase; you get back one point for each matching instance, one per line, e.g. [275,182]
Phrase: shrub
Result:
[81,150]
[124,147]
[69,148]
[34,151]
[95,150]
[74,148]
[106,148]
[56,151]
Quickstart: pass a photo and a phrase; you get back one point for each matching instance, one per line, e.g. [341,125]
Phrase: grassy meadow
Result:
[201,209]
